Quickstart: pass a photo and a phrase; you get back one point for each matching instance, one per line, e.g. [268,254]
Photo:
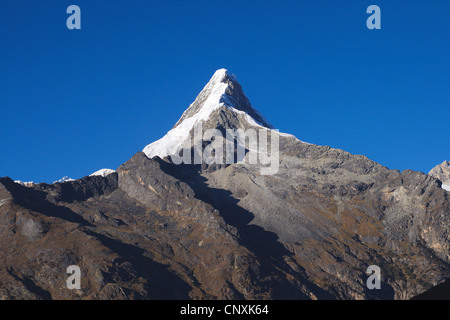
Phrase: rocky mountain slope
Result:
[442,172]
[154,229]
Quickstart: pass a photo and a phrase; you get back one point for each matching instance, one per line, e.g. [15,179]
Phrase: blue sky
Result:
[74,101]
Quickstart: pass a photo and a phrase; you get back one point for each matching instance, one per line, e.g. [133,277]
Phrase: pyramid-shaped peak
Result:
[223,89]
[222,92]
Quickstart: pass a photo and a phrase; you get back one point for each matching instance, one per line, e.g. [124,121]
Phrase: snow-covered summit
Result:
[222,90]
[102,172]
[64,179]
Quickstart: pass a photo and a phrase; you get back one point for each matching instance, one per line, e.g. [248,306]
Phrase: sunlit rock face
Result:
[442,172]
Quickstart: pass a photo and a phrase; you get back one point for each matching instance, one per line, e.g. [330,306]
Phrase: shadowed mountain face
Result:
[157,230]
[439,292]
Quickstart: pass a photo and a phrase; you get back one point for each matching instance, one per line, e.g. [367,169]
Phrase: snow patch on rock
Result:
[102,172]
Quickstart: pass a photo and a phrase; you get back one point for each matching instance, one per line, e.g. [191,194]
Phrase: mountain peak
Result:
[222,91]
[220,75]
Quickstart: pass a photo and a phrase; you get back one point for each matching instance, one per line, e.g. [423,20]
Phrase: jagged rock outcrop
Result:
[442,173]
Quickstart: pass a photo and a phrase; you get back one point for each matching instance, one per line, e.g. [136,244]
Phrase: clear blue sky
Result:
[74,101]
